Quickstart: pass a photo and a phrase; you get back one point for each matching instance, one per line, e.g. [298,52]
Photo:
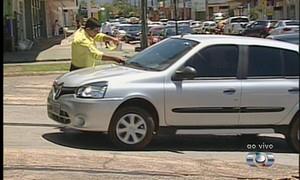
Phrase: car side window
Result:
[264,61]
[291,63]
[215,61]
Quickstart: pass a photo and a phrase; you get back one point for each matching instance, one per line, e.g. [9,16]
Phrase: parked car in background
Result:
[133,33]
[127,32]
[155,34]
[120,30]
[180,23]
[291,38]
[285,26]
[155,23]
[164,21]
[208,27]
[236,25]
[196,27]
[185,85]
[195,24]
[169,31]
[260,28]
[218,17]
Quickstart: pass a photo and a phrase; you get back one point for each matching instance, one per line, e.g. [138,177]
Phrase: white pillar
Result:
[89,8]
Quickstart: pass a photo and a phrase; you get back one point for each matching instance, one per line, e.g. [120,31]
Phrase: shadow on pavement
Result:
[175,143]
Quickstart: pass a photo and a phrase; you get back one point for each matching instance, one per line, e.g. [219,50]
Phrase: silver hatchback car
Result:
[192,84]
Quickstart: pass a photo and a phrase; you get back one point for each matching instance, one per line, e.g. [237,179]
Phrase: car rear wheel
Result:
[131,128]
[294,134]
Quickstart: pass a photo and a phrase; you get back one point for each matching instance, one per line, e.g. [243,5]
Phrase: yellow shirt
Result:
[84,49]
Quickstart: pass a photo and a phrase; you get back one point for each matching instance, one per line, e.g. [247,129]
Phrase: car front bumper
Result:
[82,114]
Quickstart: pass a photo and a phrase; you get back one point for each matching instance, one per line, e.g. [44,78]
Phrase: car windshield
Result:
[238,20]
[162,55]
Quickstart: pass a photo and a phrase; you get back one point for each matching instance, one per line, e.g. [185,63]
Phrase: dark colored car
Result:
[171,31]
[291,38]
[133,33]
[259,28]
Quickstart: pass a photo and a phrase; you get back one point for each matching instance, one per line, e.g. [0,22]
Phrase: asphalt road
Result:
[36,148]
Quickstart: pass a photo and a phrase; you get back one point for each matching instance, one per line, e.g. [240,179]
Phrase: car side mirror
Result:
[187,73]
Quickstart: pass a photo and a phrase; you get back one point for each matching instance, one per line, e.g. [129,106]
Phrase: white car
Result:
[190,84]
[208,27]
[285,27]
[236,25]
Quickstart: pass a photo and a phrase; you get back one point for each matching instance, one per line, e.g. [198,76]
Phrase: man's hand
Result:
[114,40]
[119,60]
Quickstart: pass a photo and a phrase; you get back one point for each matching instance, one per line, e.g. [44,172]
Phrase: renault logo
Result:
[57,89]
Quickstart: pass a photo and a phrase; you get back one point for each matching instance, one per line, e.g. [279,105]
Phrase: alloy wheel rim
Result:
[131,129]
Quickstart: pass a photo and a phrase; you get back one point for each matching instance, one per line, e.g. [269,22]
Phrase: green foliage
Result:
[121,8]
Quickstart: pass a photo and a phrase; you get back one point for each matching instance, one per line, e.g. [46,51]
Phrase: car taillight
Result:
[287,29]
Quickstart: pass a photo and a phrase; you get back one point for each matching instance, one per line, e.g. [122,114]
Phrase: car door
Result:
[271,89]
[213,96]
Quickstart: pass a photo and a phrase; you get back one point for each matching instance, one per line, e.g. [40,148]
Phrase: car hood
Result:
[96,74]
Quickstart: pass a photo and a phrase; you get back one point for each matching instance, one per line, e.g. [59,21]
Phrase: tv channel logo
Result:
[260,159]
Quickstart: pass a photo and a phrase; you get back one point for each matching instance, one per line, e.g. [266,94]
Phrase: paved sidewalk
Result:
[58,49]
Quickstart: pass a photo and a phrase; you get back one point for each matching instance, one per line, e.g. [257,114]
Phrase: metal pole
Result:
[175,14]
[144,42]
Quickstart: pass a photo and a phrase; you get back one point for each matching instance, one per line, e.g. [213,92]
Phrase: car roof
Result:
[239,40]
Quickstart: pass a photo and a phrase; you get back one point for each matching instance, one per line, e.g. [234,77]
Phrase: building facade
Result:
[23,19]
[33,19]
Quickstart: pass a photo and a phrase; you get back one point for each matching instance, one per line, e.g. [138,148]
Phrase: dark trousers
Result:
[73,68]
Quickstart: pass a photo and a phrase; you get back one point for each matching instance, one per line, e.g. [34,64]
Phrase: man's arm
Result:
[112,58]
[100,37]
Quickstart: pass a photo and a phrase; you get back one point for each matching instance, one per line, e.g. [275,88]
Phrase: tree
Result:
[121,8]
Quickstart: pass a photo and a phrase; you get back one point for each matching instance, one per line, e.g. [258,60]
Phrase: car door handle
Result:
[294,90]
[229,91]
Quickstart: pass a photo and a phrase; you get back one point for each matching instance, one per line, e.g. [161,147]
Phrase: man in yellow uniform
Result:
[84,49]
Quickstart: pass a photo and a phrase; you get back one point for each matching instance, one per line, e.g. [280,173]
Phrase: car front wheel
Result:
[131,128]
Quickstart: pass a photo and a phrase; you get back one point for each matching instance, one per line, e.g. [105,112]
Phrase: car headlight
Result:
[93,90]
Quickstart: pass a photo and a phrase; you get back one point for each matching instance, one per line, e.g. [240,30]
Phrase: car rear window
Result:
[264,61]
[239,20]
[291,63]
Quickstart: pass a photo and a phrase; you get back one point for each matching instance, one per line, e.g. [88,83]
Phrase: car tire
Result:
[294,133]
[136,133]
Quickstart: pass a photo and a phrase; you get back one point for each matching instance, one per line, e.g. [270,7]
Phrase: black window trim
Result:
[283,64]
[239,73]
